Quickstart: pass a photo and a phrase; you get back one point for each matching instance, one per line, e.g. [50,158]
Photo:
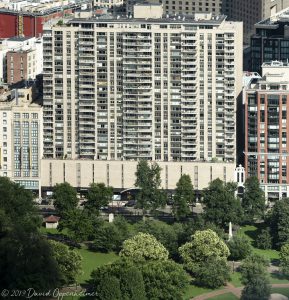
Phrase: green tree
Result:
[264,239]
[255,277]
[257,289]
[221,205]
[284,259]
[144,247]
[279,222]
[254,266]
[253,201]
[110,236]
[26,259]
[164,233]
[65,198]
[240,247]
[108,288]
[80,225]
[184,196]
[98,196]
[148,180]
[127,278]
[205,248]
[69,262]
[212,273]
[164,280]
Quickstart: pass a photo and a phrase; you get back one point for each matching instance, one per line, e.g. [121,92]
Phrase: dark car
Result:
[130,203]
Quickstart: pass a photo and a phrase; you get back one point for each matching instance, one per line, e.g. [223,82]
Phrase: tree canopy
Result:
[142,247]
[148,180]
[65,198]
[204,252]
[279,222]
[240,247]
[98,196]
[69,262]
[184,196]
[221,205]
[26,259]
[253,201]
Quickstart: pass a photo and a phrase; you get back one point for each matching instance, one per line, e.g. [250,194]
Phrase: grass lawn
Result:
[252,232]
[236,279]
[282,291]
[92,260]
[228,296]
[194,291]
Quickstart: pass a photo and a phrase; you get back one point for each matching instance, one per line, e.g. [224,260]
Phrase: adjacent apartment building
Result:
[266,126]
[20,137]
[156,88]
[271,41]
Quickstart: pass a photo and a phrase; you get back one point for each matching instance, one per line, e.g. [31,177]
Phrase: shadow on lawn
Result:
[278,276]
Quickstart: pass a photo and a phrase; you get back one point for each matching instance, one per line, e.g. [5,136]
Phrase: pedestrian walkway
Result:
[234,290]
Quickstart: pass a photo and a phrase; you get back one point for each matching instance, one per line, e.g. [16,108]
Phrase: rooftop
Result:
[173,19]
[281,16]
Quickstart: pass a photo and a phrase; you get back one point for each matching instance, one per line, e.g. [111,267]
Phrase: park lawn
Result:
[251,232]
[236,279]
[92,260]
[227,296]
[282,291]
[53,231]
[193,291]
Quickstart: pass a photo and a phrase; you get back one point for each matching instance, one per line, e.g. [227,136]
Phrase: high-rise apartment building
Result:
[158,89]
[271,41]
[20,137]
[266,127]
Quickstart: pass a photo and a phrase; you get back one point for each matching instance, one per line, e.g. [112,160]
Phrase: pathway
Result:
[234,290]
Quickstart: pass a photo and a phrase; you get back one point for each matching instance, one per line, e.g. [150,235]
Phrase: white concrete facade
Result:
[121,174]
[156,89]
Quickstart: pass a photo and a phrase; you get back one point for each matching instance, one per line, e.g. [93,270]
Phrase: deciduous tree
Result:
[65,198]
[143,247]
[148,180]
[184,197]
[253,201]
[221,205]
[98,196]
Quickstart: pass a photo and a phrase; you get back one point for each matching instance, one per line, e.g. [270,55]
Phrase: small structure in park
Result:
[51,221]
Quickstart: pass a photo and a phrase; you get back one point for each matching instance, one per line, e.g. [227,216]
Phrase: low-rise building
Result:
[20,137]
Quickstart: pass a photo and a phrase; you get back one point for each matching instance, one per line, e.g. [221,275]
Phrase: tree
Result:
[212,273]
[206,250]
[284,259]
[144,247]
[164,233]
[221,205]
[240,247]
[164,280]
[184,196]
[80,224]
[254,266]
[26,259]
[148,180]
[98,196]
[257,289]
[108,288]
[110,236]
[279,222]
[264,239]
[254,276]
[69,262]
[253,201]
[65,198]
[128,283]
